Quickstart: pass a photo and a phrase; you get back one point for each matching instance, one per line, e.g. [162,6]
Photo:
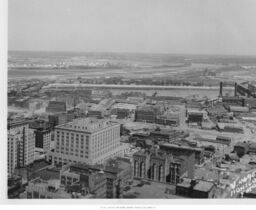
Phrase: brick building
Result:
[146,114]
[56,106]
[179,149]
[159,166]
[192,188]
[116,172]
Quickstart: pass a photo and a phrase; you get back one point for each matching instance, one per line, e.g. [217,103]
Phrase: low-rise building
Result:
[238,109]
[196,188]
[241,148]
[97,113]
[56,107]
[233,100]
[160,135]
[121,113]
[196,116]
[171,120]
[252,148]
[92,182]
[51,189]
[230,127]
[117,172]
[130,107]
[146,114]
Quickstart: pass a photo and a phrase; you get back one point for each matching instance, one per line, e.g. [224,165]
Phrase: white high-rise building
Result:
[87,140]
[21,145]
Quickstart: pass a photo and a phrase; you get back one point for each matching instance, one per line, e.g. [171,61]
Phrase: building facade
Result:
[178,150]
[60,118]
[86,140]
[21,145]
[192,188]
[161,167]
[52,189]
[146,114]
[117,174]
[93,182]
[56,106]
[43,139]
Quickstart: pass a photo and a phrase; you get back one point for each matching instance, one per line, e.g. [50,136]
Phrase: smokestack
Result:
[221,87]
[235,89]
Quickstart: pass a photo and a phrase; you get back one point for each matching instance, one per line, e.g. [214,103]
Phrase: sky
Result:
[149,26]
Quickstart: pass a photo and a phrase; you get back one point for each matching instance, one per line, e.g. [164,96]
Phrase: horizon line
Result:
[125,52]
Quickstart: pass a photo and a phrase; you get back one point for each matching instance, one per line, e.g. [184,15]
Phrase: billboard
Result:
[243,184]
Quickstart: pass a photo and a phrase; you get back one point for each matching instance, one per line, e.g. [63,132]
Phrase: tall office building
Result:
[21,145]
[43,139]
[86,140]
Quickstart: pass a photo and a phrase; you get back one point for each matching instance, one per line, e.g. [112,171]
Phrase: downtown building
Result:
[56,107]
[42,132]
[115,175]
[21,145]
[147,114]
[43,139]
[60,118]
[86,140]
[52,189]
[158,166]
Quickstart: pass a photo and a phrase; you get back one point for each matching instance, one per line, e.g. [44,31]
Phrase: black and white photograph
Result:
[130,100]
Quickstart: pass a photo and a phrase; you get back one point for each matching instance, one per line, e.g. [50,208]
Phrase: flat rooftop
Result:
[17,122]
[110,168]
[87,124]
[204,186]
[180,146]
[153,190]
